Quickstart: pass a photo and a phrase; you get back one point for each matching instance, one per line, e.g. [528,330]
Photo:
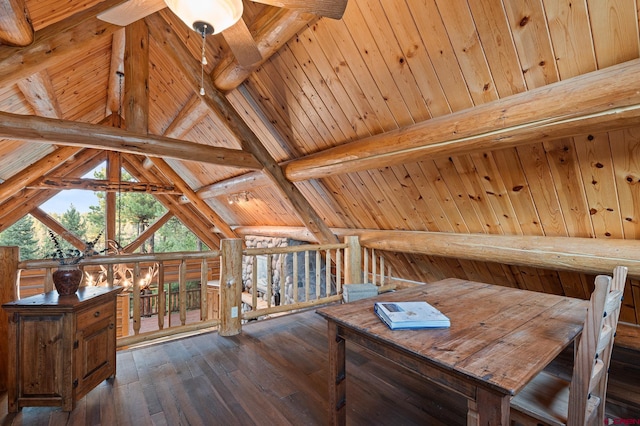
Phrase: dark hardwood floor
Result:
[274,373]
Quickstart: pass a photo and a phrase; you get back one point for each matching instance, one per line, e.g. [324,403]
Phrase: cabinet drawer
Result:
[87,317]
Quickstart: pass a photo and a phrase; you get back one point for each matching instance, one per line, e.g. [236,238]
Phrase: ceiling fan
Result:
[225,16]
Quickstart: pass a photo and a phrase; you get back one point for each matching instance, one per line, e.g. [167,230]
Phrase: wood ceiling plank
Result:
[570,33]
[494,190]
[625,150]
[55,44]
[47,13]
[561,156]
[376,60]
[499,48]
[472,187]
[614,27]
[598,179]
[442,194]
[531,36]
[416,56]
[467,47]
[436,40]
[428,200]
[506,165]
[328,84]
[541,185]
[412,199]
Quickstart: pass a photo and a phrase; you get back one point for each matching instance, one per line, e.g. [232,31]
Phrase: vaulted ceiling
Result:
[506,117]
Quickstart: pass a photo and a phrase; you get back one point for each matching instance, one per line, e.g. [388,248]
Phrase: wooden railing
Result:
[295,277]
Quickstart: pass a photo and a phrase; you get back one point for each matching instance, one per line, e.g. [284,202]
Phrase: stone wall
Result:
[282,268]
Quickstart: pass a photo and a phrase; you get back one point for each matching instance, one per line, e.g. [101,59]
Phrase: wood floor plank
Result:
[273,373]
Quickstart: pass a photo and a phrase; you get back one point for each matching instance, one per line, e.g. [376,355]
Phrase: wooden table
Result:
[499,339]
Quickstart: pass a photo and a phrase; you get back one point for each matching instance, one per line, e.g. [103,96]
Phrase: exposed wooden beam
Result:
[113,173]
[599,101]
[585,255]
[15,26]
[147,233]
[116,74]
[191,114]
[245,182]
[163,34]
[136,73]
[55,44]
[34,171]
[38,92]
[103,185]
[14,208]
[58,228]
[191,218]
[200,204]
[72,133]
[271,31]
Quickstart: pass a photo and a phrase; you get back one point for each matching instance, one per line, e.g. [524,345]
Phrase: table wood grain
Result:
[499,339]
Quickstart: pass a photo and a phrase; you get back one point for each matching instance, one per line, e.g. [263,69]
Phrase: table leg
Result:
[489,409]
[337,377]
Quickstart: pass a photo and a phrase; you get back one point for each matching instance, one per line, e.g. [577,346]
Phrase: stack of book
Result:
[410,315]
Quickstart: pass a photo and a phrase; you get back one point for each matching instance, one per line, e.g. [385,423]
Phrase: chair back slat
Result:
[589,382]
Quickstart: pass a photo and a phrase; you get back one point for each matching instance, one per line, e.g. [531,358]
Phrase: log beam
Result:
[584,255]
[602,100]
[271,30]
[72,133]
[39,93]
[147,233]
[58,228]
[15,27]
[98,185]
[162,32]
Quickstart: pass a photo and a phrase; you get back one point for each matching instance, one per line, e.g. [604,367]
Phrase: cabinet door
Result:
[41,351]
[95,354]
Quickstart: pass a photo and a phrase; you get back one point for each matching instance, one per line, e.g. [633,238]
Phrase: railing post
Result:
[9,258]
[230,287]
[353,261]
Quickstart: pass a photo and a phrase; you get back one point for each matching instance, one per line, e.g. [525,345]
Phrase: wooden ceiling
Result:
[506,117]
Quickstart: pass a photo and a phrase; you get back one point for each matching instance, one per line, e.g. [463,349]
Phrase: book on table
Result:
[410,315]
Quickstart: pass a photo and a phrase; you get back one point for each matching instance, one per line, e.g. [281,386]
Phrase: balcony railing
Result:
[277,280]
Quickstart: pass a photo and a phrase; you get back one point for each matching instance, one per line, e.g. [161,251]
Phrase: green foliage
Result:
[21,234]
[174,236]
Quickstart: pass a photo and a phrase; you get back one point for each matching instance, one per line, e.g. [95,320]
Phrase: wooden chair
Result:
[551,400]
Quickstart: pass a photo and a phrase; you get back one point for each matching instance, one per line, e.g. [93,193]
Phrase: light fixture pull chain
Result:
[203,61]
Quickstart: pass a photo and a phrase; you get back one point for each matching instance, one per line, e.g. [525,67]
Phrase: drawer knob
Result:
[96,314]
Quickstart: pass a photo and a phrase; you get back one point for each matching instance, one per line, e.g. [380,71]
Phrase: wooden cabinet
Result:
[60,347]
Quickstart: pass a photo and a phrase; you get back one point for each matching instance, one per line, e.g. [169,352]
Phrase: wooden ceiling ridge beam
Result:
[602,100]
[15,25]
[575,254]
[55,44]
[191,219]
[270,30]
[72,133]
[162,32]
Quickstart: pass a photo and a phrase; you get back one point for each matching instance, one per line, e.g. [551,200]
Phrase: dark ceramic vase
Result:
[67,279]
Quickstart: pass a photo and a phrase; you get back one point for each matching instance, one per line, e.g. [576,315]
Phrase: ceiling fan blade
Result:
[330,8]
[129,12]
[242,44]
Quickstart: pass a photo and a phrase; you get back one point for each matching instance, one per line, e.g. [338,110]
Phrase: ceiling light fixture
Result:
[210,17]
[206,17]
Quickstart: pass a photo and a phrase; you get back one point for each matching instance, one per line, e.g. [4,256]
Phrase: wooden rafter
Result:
[58,228]
[161,31]
[15,28]
[103,185]
[147,233]
[72,133]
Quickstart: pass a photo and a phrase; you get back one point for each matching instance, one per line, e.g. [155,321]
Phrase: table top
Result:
[500,337]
